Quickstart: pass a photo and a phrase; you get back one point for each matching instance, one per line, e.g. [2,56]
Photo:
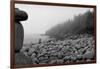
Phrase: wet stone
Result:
[42,58]
[21,59]
[35,60]
[88,55]
[66,58]
[33,55]
[59,61]
[53,62]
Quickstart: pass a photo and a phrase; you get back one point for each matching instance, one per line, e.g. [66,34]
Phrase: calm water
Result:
[34,38]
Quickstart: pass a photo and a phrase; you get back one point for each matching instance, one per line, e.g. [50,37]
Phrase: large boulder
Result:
[19,36]
[19,31]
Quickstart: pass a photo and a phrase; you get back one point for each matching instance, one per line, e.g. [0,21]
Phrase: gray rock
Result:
[19,31]
[42,58]
[53,57]
[20,15]
[43,61]
[59,61]
[73,58]
[31,50]
[21,59]
[19,36]
[88,60]
[77,46]
[66,58]
[33,55]
[88,55]
[35,60]
[53,62]
[79,56]
[60,56]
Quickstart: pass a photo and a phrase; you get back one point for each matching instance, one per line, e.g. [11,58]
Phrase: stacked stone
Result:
[20,58]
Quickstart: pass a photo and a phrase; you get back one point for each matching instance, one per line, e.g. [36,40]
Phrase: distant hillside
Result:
[82,23]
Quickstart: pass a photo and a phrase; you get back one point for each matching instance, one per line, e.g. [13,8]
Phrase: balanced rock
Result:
[20,15]
[20,58]
[19,31]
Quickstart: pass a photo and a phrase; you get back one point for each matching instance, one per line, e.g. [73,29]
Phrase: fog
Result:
[41,18]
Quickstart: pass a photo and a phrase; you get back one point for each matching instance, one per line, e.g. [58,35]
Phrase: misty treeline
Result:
[80,24]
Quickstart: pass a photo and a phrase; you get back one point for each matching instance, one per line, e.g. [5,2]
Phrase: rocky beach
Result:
[77,48]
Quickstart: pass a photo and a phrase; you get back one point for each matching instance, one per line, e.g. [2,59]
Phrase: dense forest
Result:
[80,24]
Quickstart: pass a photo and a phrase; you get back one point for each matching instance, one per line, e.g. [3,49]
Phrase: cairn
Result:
[20,58]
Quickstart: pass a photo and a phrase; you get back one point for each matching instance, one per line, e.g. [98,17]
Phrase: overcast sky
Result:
[41,18]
